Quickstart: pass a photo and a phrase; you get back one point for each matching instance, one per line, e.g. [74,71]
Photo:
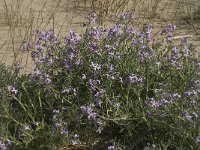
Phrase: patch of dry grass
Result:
[21,21]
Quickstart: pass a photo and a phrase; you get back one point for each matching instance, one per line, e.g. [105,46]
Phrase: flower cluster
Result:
[5,144]
[163,99]
[169,30]
[59,123]
[92,115]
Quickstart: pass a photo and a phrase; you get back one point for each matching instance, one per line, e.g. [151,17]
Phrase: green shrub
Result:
[110,88]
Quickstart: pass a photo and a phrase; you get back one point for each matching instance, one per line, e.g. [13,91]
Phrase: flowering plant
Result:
[116,84]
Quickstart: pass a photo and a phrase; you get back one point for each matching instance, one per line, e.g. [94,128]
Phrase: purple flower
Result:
[73,39]
[2,145]
[116,29]
[34,54]
[108,47]
[144,46]
[146,54]
[66,90]
[56,42]
[8,143]
[12,89]
[98,102]
[48,81]
[186,52]
[74,142]
[194,92]
[92,84]
[100,93]
[194,115]
[183,40]
[191,93]
[38,46]
[69,90]
[96,67]
[187,94]
[155,104]
[92,116]
[111,69]
[56,111]
[134,79]
[76,136]
[197,83]
[64,131]
[131,31]
[176,95]
[127,16]
[193,102]
[58,125]
[36,32]
[75,139]
[197,139]
[91,18]
[37,71]
[198,65]
[140,38]
[169,29]
[175,50]
[134,43]
[26,127]
[50,34]
[149,30]
[96,33]
[83,76]
[187,116]
[88,109]
[71,55]
[112,147]
[92,47]
[100,124]
[120,79]
[26,46]
[41,61]
[37,123]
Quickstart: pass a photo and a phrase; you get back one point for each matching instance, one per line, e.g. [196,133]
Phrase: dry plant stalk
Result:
[21,24]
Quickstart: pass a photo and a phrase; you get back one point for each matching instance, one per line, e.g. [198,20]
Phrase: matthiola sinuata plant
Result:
[116,84]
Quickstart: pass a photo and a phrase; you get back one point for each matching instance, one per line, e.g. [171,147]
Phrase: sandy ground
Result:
[19,21]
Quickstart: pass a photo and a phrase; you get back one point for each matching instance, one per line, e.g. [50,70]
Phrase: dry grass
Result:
[21,22]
